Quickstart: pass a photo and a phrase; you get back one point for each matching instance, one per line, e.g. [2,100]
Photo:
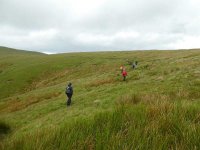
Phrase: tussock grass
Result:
[102,82]
[15,104]
[126,127]
[157,107]
[128,100]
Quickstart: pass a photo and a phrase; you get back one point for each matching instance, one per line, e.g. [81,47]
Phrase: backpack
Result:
[68,90]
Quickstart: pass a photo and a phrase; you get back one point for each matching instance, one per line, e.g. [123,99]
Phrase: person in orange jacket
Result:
[121,68]
[124,74]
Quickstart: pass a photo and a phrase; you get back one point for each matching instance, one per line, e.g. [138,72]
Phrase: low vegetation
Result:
[157,107]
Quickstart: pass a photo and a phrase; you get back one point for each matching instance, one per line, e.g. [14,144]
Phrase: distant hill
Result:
[7,50]
[15,69]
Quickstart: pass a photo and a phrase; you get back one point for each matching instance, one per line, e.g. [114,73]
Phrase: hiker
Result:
[134,65]
[124,74]
[69,93]
[121,68]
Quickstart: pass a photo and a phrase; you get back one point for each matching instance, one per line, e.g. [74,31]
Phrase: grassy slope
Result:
[15,70]
[161,96]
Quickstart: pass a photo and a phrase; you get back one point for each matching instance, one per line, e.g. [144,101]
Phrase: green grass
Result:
[156,108]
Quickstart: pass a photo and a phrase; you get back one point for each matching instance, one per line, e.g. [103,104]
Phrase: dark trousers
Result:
[69,99]
[124,78]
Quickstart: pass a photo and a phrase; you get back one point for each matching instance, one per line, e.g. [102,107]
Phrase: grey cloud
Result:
[69,25]
[33,14]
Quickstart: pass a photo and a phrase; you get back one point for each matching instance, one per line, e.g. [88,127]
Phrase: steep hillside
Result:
[11,51]
[158,104]
[15,70]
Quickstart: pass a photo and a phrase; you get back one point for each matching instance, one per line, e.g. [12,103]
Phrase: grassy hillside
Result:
[156,108]
[11,51]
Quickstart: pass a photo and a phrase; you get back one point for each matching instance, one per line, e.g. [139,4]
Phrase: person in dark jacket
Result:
[69,93]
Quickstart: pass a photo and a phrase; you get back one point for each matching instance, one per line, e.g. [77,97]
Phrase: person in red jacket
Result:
[124,74]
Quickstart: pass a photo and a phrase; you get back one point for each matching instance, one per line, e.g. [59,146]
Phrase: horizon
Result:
[52,53]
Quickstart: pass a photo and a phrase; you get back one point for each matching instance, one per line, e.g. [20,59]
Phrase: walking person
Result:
[134,64]
[69,93]
[124,74]
[121,68]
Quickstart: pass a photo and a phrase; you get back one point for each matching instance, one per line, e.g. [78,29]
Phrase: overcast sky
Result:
[55,26]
